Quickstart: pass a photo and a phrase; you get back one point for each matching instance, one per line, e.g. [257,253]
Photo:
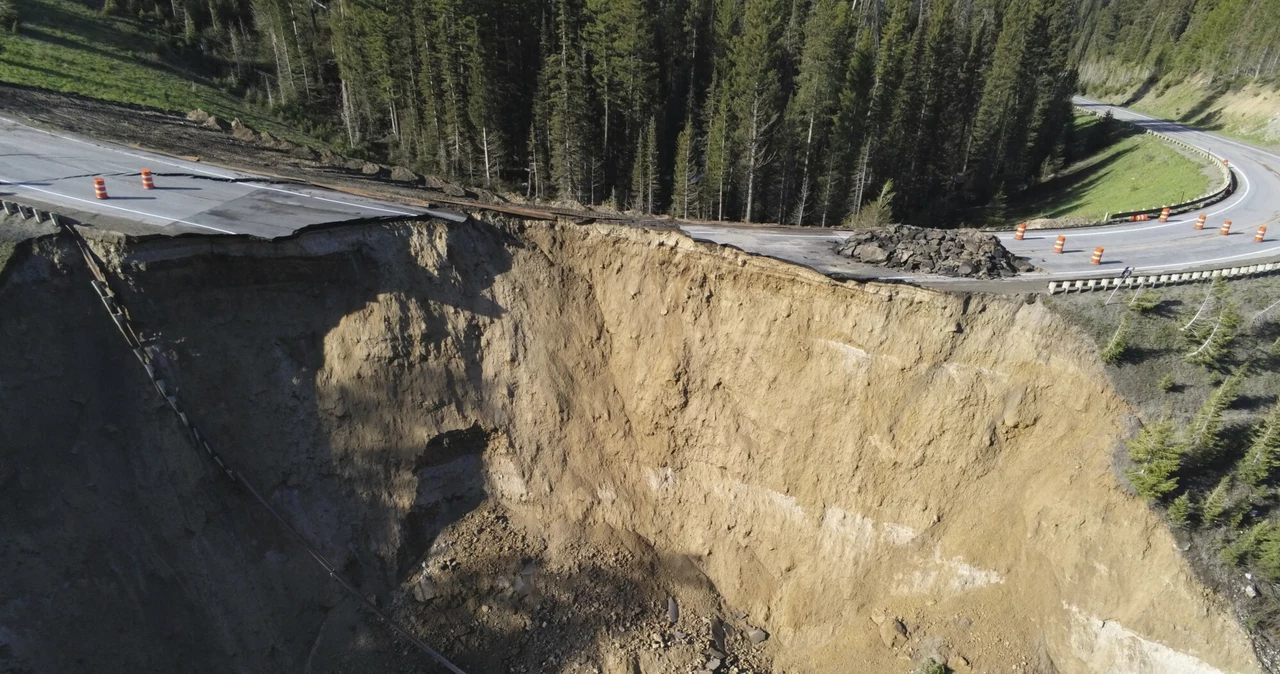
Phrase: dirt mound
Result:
[525,442]
[951,252]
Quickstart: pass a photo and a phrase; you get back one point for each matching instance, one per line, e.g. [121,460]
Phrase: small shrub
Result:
[1119,343]
[1157,456]
[1215,504]
[1144,302]
[930,667]
[1167,384]
[1180,510]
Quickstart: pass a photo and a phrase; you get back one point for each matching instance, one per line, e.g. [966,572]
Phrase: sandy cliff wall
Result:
[828,456]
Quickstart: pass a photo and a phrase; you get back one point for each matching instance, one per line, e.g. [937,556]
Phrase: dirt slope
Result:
[629,413]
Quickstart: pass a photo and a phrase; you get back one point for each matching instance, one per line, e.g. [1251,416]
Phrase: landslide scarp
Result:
[524,440]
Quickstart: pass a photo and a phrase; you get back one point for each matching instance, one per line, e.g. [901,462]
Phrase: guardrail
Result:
[1227,188]
[28,212]
[1153,280]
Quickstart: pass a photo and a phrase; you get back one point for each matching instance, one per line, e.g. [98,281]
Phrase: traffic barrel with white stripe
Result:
[147,182]
[1022,231]
[1226,228]
[1060,243]
[1201,220]
[1262,234]
[1164,214]
[1097,256]
[100,188]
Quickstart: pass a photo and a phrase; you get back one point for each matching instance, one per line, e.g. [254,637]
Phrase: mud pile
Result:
[951,252]
[524,442]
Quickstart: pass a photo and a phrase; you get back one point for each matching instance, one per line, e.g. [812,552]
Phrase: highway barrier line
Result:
[100,188]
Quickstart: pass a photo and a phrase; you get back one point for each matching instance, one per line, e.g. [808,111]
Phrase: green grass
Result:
[68,47]
[1134,172]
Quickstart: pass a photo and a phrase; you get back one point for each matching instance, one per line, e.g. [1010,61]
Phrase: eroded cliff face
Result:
[822,457]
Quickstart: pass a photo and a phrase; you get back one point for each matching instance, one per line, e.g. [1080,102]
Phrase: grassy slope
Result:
[1156,349]
[1134,172]
[1250,113]
[65,46]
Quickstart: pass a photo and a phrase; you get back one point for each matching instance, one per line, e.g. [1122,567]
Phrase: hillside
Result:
[1215,65]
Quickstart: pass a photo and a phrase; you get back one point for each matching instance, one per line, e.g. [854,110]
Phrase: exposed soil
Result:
[525,440]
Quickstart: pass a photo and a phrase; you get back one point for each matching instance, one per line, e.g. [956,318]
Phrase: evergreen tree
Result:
[1263,456]
[812,110]
[684,193]
[756,56]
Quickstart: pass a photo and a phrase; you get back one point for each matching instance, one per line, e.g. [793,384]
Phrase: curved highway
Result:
[1147,247]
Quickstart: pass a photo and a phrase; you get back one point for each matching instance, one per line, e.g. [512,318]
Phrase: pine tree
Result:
[1215,503]
[1263,456]
[684,191]
[1157,457]
[719,150]
[755,54]
[1201,441]
[812,110]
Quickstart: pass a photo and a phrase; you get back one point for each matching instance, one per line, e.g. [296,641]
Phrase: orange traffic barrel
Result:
[1226,228]
[1097,256]
[147,183]
[1262,234]
[100,188]
[1060,243]
[1022,231]
[1200,221]
[1164,215]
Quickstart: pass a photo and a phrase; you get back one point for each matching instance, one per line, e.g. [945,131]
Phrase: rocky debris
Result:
[214,123]
[403,175]
[198,116]
[1251,591]
[757,635]
[330,157]
[303,152]
[958,663]
[951,252]
[241,132]
[893,633]
[370,169]
[673,611]
[454,190]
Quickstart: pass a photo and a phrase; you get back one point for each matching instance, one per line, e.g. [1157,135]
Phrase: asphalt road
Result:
[1146,246]
[55,170]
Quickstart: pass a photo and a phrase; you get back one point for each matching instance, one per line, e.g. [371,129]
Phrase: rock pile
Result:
[952,252]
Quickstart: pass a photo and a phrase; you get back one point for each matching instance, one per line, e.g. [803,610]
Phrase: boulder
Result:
[304,152]
[330,157]
[370,169]
[241,132]
[265,139]
[198,116]
[214,123]
[403,175]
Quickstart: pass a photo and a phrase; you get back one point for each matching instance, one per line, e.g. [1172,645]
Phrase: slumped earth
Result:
[525,440]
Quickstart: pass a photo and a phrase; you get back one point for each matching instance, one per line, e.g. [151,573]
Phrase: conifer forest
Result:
[788,111]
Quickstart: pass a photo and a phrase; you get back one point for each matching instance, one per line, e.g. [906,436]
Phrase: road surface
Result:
[55,170]
[1148,247]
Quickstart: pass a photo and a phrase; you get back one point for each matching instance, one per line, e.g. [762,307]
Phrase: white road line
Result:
[118,208]
[335,201]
